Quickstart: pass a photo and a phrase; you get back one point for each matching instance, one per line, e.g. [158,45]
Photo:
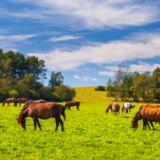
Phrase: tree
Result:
[100,88]
[56,79]
[66,93]
[36,67]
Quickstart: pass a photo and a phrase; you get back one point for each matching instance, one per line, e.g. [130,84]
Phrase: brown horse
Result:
[8,101]
[147,113]
[70,104]
[127,107]
[43,111]
[20,101]
[114,107]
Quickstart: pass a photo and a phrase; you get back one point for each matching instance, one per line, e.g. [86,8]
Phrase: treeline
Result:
[135,86]
[22,76]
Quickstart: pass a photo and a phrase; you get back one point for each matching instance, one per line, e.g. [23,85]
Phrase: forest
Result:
[134,86]
[23,76]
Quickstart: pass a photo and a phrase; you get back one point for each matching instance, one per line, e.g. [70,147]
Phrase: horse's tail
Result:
[63,112]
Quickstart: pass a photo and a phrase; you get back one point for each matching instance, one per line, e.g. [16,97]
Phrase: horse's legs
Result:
[122,109]
[61,122]
[35,122]
[144,124]
[148,125]
[152,125]
[39,125]
[57,123]
[126,110]
[77,106]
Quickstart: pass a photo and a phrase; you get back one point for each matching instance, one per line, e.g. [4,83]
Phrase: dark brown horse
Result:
[43,111]
[70,104]
[8,101]
[147,113]
[127,107]
[20,101]
[114,107]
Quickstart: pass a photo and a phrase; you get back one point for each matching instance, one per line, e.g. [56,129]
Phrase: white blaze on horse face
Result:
[127,105]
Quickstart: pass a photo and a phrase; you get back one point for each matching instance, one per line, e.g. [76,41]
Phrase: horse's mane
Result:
[136,118]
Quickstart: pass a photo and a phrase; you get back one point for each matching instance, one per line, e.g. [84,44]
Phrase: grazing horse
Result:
[43,111]
[8,101]
[147,113]
[127,107]
[114,107]
[71,104]
[20,101]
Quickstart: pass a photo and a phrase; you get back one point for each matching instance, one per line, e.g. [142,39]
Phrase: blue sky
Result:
[86,40]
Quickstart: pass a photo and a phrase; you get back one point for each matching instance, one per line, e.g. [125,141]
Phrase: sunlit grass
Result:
[89,134]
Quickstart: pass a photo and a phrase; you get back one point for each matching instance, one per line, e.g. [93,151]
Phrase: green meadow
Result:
[89,134]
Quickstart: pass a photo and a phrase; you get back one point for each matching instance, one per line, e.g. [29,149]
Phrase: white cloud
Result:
[140,67]
[116,51]
[17,38]
[84,78]
[144,67]
[64,38]
[95,13]
[106,73]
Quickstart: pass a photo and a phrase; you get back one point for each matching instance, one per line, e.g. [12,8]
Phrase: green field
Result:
[89,134]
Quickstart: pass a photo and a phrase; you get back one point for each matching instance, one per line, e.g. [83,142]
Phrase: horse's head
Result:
[134,123]
[132,106]
[108,108]
[135,120]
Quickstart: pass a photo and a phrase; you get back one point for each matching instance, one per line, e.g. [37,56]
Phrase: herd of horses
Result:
[41,109]
[147,113]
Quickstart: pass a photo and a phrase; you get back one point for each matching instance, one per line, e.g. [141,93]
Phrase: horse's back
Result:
[45,110]
[150,112]
[127,105]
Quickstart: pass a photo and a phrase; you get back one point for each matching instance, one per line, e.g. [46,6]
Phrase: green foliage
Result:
[65,92]
[56,79]
[136,86]
[100,88]
[20,77]
[90,134]
[13,93]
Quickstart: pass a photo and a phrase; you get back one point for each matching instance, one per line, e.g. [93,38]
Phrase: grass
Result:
[89,134]
[89,95]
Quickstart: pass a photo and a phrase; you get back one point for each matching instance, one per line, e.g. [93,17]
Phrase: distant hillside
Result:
[89,95]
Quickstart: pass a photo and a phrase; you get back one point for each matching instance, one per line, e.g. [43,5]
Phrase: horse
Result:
[8,101]
[114,107]
[70,104]
[127,107]
[147,113]
[43,111]
[20,101]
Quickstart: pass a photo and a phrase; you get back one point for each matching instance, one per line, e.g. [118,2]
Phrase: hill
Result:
[89,95]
